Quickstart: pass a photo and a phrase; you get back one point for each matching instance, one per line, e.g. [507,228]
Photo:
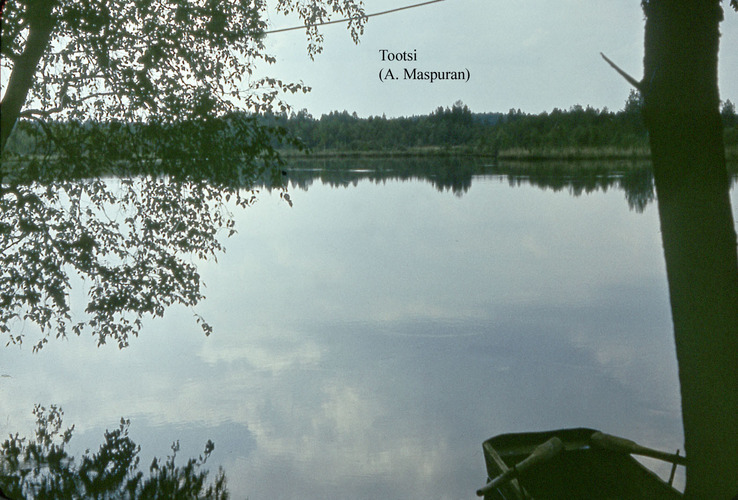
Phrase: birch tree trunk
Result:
[40,26]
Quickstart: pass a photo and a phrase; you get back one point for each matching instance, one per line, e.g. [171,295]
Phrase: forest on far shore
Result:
[577,132]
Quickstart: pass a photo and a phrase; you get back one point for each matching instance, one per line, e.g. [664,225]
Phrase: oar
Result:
[542,453]
[623,445]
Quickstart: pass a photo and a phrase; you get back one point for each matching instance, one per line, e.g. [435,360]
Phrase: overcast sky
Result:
[534,55]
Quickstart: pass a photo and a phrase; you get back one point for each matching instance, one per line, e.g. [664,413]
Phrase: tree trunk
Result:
[681,110]
[40,26]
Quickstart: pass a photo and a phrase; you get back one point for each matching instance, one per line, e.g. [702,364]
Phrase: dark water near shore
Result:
[370,337]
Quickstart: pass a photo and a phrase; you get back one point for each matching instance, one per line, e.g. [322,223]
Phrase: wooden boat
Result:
[572,464]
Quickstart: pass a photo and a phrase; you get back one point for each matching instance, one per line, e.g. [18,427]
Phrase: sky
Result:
[368,339]
[535,55]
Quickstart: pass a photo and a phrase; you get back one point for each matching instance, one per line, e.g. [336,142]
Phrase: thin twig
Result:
[365,16]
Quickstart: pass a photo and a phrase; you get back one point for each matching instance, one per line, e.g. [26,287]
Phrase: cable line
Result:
[366,16]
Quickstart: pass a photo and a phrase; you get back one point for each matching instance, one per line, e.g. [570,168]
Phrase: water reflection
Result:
[40,467]
[456,174]
[634,178]
[366,340]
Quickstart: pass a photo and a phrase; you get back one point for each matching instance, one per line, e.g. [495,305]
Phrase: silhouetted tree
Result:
[682,113]
[159,94]
[730,119]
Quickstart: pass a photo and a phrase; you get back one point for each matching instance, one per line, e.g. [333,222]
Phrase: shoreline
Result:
[517,155]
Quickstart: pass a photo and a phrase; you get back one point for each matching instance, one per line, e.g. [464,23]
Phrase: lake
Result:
[370,337]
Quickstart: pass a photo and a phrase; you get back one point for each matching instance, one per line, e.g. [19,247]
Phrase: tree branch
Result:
[30,113]
[41,24]
[625,75]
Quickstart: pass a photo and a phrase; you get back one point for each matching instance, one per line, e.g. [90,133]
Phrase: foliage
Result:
[458,128]
[158,94]
[730,119]
[164,61]
[127,239]
[42,468]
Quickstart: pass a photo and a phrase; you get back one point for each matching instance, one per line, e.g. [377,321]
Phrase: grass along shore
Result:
[636,154]
[514,154]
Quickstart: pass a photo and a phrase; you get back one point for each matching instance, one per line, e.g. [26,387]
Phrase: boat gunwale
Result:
[511,448]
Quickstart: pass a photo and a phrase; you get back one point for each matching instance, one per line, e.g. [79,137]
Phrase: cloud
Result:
[358,351]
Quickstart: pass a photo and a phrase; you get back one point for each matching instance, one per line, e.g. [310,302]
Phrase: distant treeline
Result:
[574,133]
[560,133]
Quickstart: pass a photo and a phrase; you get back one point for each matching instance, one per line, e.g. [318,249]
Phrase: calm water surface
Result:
[369,338]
